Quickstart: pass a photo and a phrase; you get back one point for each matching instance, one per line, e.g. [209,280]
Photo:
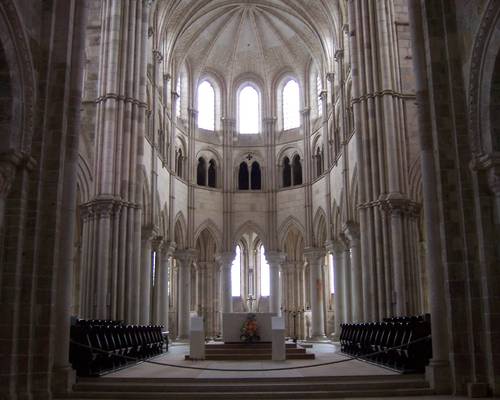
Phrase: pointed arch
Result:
[291,222]
[180,229]
[249,226]
[210,226]
[320,227]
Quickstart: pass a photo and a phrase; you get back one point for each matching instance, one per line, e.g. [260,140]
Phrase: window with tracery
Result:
[248,110]
[291,105]
[206,106]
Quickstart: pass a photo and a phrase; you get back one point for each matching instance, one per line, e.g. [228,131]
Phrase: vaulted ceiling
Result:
[252,37]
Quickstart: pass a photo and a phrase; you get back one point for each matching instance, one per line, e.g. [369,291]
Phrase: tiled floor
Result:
[325,353]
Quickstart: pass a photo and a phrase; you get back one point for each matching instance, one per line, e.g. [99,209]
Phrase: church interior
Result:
[327,161]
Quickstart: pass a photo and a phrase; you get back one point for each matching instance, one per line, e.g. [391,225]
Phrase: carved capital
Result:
[225,259]
[330,76]
[314,255]
[339,55]
[168,248]
[275,258]
[10,162]
[351,230]
[166,77]
[323,95]
[157,242]
[305,112]
[103,207]
[186,257]
[158,56]
[397,204]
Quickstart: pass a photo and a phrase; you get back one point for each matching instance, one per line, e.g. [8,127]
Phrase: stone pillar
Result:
[275,259]
[157,244]
[166,259]
[315,258]
[352,233]
[338,250]
[185,258]
[438,371]
[146,276]
[225,260]
[347,311]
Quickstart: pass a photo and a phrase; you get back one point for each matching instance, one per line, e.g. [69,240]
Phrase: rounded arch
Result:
[218,84]
[17,75]
[210,226]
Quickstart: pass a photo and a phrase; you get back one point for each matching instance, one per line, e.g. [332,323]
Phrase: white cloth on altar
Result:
[232,323]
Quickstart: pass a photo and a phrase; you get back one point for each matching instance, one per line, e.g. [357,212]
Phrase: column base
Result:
[63,379]
[335,337]
[477,389]
[438,375]
[318,338]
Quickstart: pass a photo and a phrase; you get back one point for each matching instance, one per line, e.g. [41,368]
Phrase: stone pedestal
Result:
[278,341]
[196,339]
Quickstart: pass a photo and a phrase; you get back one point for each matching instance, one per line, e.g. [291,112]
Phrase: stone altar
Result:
[232,323]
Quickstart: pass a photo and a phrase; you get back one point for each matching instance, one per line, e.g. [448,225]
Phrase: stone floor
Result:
[325,353]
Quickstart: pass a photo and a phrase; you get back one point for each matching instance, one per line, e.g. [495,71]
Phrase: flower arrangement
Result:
[249,331]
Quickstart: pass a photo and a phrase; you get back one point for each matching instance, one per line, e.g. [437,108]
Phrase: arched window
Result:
[255,178]
[236,273]
[291,105]
[178,163]
[297,170]
[319,161]
[287,172]
[243,178]
[264,273]
[201,172]
[206,106]
[248,110]
[212,174]
[319,89]
[178,98]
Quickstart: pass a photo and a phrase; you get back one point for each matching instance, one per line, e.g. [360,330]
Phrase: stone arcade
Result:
[329,160]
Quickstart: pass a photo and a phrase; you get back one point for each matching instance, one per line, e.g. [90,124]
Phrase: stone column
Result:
[315,258]
[146,271]
[352,233]
[438,371]
[185,258]
[347,286]
[338,250]
[166,259]
[225,260]
[275,259]
[157,244]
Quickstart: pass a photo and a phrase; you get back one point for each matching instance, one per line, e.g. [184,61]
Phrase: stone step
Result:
[250,388]
[255,357]
[243,350]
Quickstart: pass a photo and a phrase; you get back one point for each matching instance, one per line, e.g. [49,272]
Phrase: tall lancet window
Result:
[206,106]
[178,98]
[236,273]
[291,105]
[264,274]
[248,110]
[319,89]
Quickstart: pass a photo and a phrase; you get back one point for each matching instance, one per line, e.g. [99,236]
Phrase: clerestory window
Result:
[291,105]
[206,106]
[248,110]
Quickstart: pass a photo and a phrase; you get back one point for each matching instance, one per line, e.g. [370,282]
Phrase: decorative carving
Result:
[158,56]
[10,162]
